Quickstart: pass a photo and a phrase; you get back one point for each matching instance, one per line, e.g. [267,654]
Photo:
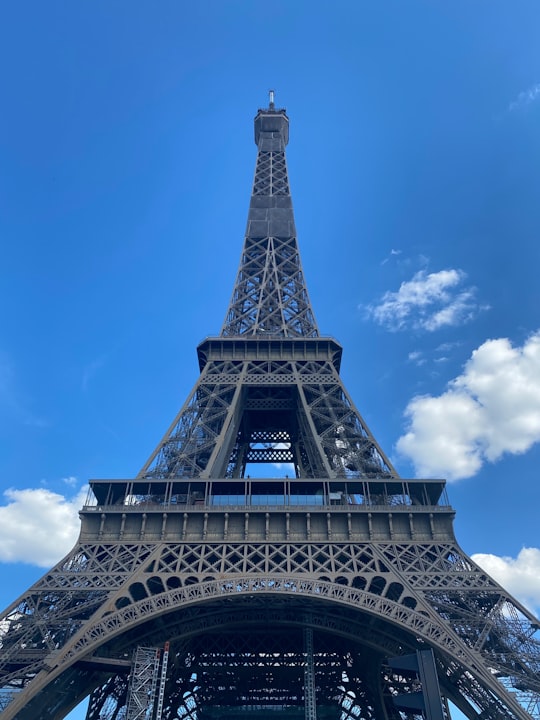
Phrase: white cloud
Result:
[416,357]
[526,97]
[428,301]
[447,346]
[491,409]
[392,254]
[520,576]
[38,526]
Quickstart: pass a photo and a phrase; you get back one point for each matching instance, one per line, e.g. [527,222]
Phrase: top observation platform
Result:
[272,121]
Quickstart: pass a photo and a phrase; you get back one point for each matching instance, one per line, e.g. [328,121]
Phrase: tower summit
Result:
[270,296]
[268,557]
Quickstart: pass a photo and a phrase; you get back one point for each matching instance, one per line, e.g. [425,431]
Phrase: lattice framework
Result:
[301,403]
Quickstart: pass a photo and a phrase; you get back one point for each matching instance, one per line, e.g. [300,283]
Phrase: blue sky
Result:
[126,161]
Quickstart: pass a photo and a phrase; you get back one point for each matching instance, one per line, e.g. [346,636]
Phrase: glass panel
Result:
[228,500]
[306,500]
[268,500]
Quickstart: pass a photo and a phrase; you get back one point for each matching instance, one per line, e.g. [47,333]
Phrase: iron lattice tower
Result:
[286,593]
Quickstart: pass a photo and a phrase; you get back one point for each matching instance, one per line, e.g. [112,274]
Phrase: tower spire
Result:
[270,297]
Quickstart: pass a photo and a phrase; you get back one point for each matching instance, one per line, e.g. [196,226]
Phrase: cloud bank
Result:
[491,409]
[520,576]
[38,526]
[427,302]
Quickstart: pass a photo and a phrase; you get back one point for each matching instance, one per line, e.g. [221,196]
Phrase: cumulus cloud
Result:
[38,526]
[520,576]
[428,302]
[491,409]
[525,98]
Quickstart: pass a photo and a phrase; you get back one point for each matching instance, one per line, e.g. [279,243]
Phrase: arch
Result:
[394,591]
[138,591]
[155,585]
[173,582]
[377,585]
[409,602]
[326,595]
[92,635]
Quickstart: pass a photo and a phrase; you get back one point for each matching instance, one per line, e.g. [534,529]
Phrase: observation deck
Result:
[267,509]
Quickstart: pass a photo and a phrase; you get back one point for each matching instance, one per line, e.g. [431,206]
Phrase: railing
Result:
[147,506]
[290,494]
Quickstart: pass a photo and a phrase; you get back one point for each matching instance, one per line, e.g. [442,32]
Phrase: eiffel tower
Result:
[268,557]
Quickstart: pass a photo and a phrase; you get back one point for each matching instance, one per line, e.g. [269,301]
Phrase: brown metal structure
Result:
[288,592]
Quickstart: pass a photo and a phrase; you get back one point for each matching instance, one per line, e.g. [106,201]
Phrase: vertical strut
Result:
[142,688]
[309,677]
[162,679]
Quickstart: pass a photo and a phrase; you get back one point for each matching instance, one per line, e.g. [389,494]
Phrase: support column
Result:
[309,677]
